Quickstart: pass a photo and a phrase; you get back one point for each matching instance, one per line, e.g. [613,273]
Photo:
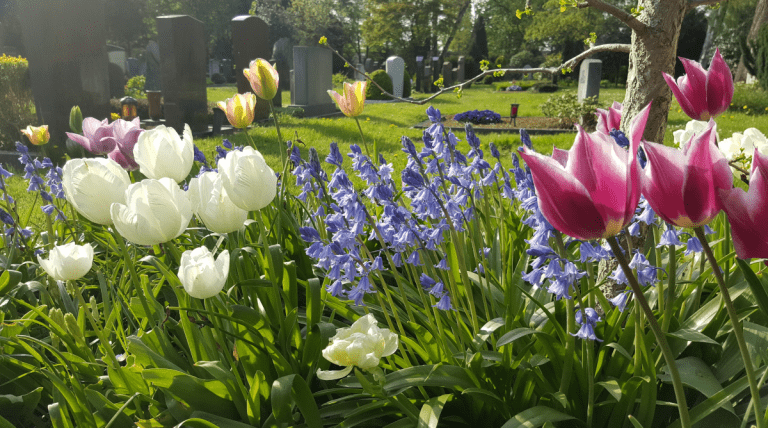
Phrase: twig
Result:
[627,18]
[696,3]
[573,62]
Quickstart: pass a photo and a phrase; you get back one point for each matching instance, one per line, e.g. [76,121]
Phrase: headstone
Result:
[376,65]
[183,52]
[427,88]
[250,40]
[358,75]
[368,65]
[419,74]
[66,46]
[589,78]
[395,67]
[116,81]
[134,67]
[282,58]
[447,74]
[226,70]
[213,67]
[117,56]
[153,81]
[528,76]
[461,70]
[312,78]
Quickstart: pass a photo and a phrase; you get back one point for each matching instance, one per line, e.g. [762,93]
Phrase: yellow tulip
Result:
[239,109]
[37,135]
[353,100]
[263,77]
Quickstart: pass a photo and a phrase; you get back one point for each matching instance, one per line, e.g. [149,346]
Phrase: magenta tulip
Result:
[609,119]
[592,192]
[703,94]
[681,185]
[97,136]
[748,211]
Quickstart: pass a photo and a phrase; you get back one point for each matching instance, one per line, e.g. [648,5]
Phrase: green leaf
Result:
[291,389]
[207,420]
[430,411]
[696,374]
[612,387]
[535,417]
[20,404]
[635,422]
[515,334]
[8,280]
[757,287]
[692,336]
[208,395]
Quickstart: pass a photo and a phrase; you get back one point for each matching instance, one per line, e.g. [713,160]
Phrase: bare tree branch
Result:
[696,3]
[571,63]
[627,18]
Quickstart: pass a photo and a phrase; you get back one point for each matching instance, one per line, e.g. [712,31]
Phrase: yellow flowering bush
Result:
[16,104]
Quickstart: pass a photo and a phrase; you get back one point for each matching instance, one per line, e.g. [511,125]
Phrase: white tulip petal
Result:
[201,275]
[160,152]
[92,185]
[68,262]
[155,211]
[333,374]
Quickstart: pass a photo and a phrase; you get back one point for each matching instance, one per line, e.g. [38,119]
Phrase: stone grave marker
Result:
[447,74]
[395,67]
[250,40]
[589,79]
[66,46]
[153,81]
[134,67]
[213,68]
[183,53]
[528,76]
[427,82]
[117,69]
[419,75]
[311,80]
[116,56]
[461,70]
[368,65]
[226,70]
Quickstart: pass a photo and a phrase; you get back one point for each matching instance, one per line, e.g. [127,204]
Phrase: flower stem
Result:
[737,328]
[570,316]
[682,404]
[134,276]
[671,277]
[367,152]
[279,135]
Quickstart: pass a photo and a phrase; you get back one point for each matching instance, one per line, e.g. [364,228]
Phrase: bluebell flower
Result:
[480,269]
[634,229]
[669,237]
[535,277]
[442,264]
[647,216]
[588,321]
[309,234]
[227,144]
[5,172]
[6,218]
[619,138]
[48,209]
[334,156]
[426,281]
[433,114]
[708,230]
[444,304]
[646,274]
[693,246]
[620,300]
[526,139]
[494,151]
[592,253]
[414,259]
[438,289]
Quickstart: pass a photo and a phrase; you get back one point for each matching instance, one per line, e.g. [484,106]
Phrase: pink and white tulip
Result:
[681,185]
[592,192]
[352,101]
[703,94]
[748,211]
[609,119]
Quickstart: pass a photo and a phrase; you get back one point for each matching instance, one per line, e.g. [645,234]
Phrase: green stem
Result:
[737,328]
[367,152]
[134,277]
[570,316]
[671,277]
[682,404]
[280,140]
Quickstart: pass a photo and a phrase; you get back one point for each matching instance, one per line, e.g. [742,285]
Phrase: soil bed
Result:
[534,125]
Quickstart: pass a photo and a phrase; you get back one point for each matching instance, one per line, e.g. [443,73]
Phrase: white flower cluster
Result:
[693,127]
[745,144]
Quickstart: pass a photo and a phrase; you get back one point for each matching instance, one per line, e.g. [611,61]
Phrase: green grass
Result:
[385,123]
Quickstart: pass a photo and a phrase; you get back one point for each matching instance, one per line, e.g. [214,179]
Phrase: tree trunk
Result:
[761,16]
[653,53]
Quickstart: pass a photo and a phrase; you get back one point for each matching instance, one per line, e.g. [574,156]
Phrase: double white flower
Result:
[160,152]
[211,203]
[201,275]
[362,345]
[250,183]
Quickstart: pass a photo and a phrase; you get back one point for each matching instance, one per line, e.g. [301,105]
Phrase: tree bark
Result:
[761,16]
[653,53]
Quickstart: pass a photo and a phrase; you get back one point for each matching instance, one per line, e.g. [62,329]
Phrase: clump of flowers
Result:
[478,117]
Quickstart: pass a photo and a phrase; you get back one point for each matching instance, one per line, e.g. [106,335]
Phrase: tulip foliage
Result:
[609,285]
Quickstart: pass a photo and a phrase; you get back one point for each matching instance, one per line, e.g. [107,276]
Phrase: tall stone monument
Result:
[250,40]
[395,67]
[152,61]
[589,79]
[447,74]
[183,66]
[461,73]
[311,80]
[66,46]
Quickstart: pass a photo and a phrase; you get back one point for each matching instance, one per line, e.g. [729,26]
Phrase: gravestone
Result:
[419,75]
[117,56]
[358,74]
[376,65]
[461,70]
[395,67]
[368,65]
[589,78]
[213,68]
[134,67]
[282,58]
[183,52]
[153,81]
[250,40]
[528,76]
[427,88]
[117,69]
[66,46]
[226,70]
[311,80]
[447,74]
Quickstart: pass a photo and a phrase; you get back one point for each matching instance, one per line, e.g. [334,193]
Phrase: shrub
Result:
[500,61]
[339,79]
[407,84]
[478,117]
[372,92]
[135,87]
[218,78]
[489,79]
[545,87]
[569,110]
[16,104]
[523,58]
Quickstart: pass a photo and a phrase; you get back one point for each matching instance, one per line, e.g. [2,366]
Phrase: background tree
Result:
[760,17]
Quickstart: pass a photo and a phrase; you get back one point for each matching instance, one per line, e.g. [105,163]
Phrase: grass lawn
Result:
[385,123]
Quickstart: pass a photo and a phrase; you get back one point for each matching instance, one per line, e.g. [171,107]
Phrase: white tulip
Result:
[362,345]
[68,262]
[730,147]
[213,206]
[155,211]
[160,152]
[692,127]
[249,181]
[201,275]
[753,138]
[92,185]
